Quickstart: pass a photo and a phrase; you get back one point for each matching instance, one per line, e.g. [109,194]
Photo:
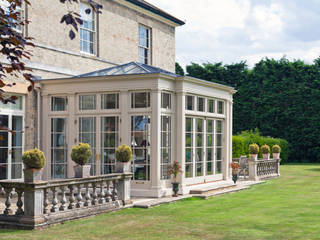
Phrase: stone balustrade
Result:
[37,204]
[263,169]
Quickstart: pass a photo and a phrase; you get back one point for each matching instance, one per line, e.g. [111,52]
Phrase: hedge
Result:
[241,142]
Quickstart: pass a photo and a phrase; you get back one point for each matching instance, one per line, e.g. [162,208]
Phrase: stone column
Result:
[33,204]
[155,142]
[253,175]
[124,188]
[180,137]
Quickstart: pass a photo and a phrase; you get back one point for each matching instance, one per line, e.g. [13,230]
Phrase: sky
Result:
[231,31]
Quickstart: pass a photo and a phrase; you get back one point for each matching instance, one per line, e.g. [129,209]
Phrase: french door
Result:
[11,146]
[102,134]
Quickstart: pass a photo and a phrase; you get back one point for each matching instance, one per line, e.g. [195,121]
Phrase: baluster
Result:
[46,201]
[88,196]
[8,201]
[102,193]
[94,194]
[114,191]
[63,206]
[19,202]
[54,200]
[71,198]
[79,197]
[108,192]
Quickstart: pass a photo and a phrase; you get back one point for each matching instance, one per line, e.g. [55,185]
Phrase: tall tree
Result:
[179,69]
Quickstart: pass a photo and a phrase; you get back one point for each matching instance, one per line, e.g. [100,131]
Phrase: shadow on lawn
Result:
[314,169]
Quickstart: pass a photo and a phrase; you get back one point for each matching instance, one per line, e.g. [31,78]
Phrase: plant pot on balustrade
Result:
[32,175]
[254,157]
[266,156]
[122,167]
[82,171]
[276,155]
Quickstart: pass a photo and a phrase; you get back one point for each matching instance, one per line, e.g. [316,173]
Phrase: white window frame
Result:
[93,31]
[103,108]
[52,104]
[170,100]
[146,59]
[133,102]
[168,134]
[5,4]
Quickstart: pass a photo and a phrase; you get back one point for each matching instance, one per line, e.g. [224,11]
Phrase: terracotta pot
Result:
[32,174]
[276,155]
[266,156]
[82,171]
[122,167]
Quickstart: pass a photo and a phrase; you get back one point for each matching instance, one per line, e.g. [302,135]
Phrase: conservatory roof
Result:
[127,69]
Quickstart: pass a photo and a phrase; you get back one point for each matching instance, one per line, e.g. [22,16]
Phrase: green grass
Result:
[283,208]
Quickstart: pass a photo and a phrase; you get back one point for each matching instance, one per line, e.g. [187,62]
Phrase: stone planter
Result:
[32,174]
[266,156]
[82,171]
[122,167]
[254,157]
[276,155]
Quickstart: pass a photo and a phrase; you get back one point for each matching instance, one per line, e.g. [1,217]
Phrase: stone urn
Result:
[82,171]
[175,189]
[122,167]
[32,175]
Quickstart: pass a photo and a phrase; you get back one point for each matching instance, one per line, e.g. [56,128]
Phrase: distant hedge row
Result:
[241,142]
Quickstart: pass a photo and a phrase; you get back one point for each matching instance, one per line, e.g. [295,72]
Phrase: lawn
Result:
[283,208]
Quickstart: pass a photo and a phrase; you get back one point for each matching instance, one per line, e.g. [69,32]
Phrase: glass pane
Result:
[189,171]
[109,156]
[59,171]
[218,167]
[209,168]
[199,155]
[199,169]
[140,100]
[4,155]
[87,102]
[165,155]
[189,124]
[14,106]
[189,102]
[219,140]
[164,172]
[141,172]
[209,140]
[58,140]
[140,123]
[210,126]
[199,137]
[16,171]
[16,155]
[211,106]
[219,126]
[209,154]
[109,124]
[201,104]
[110,140]
[165,123]
[4,139]
[58,125]
[166,100]
[220,107]
[58,104]
[4,121]
[200,125]
[219,153]
[87,124]
[110,101]
[188,140]
[188,155]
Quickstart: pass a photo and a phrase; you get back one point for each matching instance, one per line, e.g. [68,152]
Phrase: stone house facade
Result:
[125,31]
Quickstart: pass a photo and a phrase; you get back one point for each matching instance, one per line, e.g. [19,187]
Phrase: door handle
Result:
[10,151]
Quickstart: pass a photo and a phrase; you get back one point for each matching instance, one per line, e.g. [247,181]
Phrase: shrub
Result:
[34,159]
[124,153]
[265,149]
[81,153]
[276,148]
[238,146]
[254,148]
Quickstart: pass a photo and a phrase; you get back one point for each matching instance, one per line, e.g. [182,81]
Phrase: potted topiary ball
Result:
[34,161]
[253,151]
[123,156]
[265,150]
[174,170]
[276,149]
[81,154]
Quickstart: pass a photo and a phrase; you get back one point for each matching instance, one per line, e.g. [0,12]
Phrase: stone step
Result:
[220,192]
[213,188]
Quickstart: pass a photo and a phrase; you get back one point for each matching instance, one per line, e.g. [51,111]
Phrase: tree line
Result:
[279,97]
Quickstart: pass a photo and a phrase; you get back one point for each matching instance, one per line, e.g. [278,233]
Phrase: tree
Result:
[179,69]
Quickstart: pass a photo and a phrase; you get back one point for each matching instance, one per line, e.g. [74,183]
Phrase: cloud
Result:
[234,30]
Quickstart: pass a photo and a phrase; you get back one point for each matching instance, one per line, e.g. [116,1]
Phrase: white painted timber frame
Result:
[178,87]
